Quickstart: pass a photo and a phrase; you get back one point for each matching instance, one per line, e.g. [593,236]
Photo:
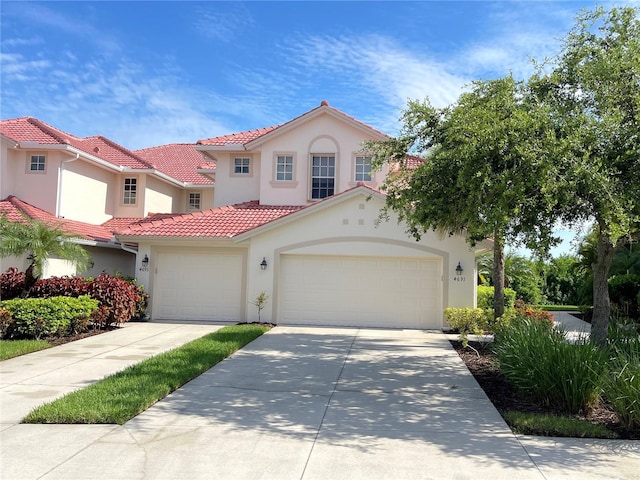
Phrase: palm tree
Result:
[41,241]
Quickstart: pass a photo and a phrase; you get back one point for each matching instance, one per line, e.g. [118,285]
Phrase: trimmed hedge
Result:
[485,297]
[41,317]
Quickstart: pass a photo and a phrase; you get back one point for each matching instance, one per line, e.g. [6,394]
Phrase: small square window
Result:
[241,166]
[130,191]
[38,163]
[363,169]
[194,201]
[284,168]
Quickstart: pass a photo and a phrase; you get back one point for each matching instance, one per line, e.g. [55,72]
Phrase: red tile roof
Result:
[178,160]
[15,210]
[227,221]
[241,138]
[29,129]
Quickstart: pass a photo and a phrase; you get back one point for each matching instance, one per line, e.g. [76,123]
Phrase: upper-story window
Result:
[194,201]
[130,191]
[37,163]
[323,176]
[284,168]
[241,166]
[362,169]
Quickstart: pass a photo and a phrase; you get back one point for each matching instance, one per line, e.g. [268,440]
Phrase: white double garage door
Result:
[311,290]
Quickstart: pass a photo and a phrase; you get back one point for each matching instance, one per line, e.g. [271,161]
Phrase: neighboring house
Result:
[96,182]
[297,216]
[106,253]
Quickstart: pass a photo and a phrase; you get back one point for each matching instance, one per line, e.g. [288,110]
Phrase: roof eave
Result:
[203,147]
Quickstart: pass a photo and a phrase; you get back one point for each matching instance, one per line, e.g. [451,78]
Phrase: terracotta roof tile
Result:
[237,138]
[29,129]
[15,210]
[178,160]
[227,221]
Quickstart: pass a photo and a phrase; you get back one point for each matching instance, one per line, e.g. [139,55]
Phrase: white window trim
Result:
[336,163]
[124,179]
[284,183]
[189,207]
[37,154]
[352,181]
[232,170]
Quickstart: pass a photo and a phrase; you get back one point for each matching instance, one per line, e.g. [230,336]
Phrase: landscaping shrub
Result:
[525,311]
[485,297]
[60,287]
[117,294]
[539,361]
[120,299]
[624,291]
[468,320]
[6,323]
[12,283]
[39,317]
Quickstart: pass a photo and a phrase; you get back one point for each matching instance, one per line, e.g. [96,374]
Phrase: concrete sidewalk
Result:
[311,403]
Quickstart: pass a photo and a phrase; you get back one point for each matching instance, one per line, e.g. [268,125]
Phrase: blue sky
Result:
[150,73]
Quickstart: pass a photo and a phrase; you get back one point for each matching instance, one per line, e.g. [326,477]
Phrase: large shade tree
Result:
[41,242]
[485,175]
[593,89]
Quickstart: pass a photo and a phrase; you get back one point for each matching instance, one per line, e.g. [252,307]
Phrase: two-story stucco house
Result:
[295,214]
[51,175]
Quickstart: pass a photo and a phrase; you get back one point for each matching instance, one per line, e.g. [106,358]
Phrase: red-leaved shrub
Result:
[119,295]
[60,287]
[11,283]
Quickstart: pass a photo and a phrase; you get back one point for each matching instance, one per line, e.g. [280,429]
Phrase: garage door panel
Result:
[360,291]
[198,287]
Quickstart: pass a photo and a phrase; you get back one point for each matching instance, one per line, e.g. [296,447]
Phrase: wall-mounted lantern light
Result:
[144,266]
[263,263]
[92,264]
[459,270]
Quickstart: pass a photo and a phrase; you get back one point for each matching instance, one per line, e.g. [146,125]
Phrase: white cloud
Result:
[224,22]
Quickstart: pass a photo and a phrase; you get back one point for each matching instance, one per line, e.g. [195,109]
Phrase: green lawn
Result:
[15,348]
[559,308]
[547,425]
[125,394]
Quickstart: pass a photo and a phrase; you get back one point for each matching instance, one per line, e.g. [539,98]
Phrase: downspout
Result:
[60,172]
[129,249]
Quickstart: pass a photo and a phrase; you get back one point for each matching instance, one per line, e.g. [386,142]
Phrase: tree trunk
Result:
[29,280]
[601,303]
[498,274]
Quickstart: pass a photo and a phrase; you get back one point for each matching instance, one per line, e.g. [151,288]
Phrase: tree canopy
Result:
[485,174]
[593,94]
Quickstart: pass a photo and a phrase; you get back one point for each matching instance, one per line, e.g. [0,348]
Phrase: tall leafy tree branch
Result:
[593,93]
[486,172]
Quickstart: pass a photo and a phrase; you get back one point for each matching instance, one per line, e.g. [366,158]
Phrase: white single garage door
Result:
[360,291]
[198,287]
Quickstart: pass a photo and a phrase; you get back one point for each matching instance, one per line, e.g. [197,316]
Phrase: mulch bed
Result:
[505,397]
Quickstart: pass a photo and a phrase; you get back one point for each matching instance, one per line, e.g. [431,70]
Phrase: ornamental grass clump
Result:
[622,385]
[539,361]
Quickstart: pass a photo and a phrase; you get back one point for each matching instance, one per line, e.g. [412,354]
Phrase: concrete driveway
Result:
[314,403]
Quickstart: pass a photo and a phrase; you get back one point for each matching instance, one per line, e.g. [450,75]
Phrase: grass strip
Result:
[555,426]
[15,348]
[122,396]
[558,308]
